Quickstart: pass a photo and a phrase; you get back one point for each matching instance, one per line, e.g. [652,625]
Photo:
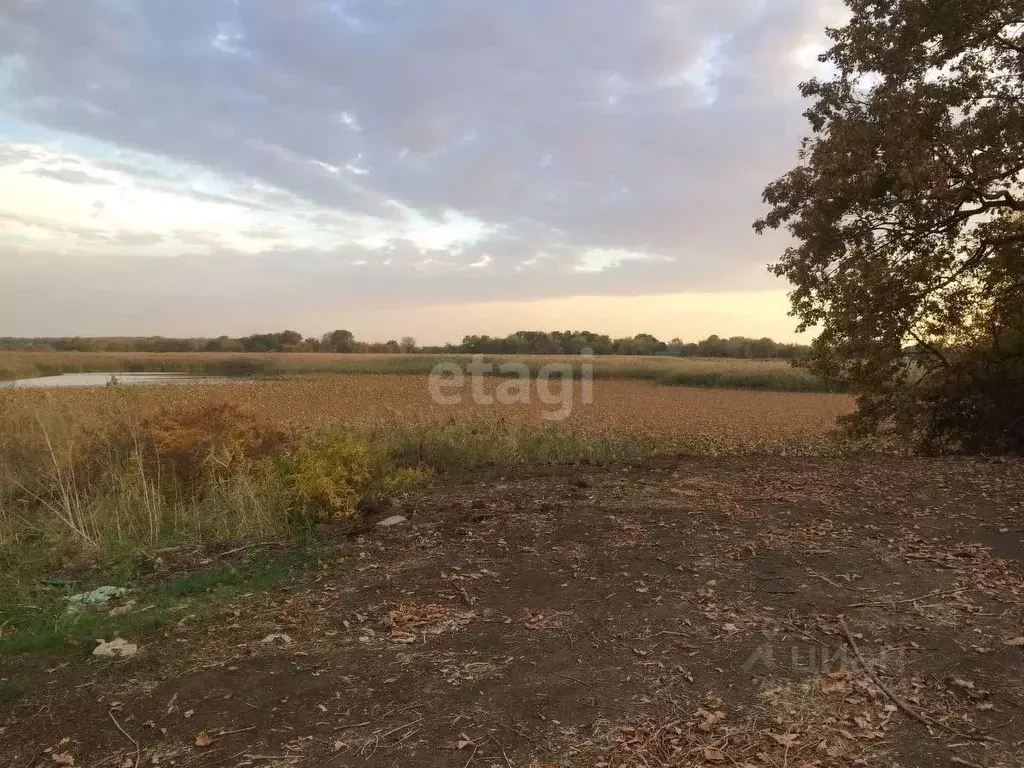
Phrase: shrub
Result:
[206,441]
[327,474]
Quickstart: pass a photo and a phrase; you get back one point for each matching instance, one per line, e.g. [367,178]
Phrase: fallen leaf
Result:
[829,685]
[713,754]
[203,739]
[63,758]
[785,739]
[711,719]
[285,639]
[1016,642]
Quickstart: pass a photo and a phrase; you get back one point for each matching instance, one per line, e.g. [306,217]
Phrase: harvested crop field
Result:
[670,419]
[755,612]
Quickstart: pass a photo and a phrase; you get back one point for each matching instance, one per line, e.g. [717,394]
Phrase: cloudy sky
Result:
[423,167]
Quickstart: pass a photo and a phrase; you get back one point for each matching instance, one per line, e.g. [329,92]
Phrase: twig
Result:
[399,728]
[138,749]
[473,756]
[934,593]
[237,730]
[504,754]
[925,721]
[836,584]
[576,680]
[251,546]
[961,761]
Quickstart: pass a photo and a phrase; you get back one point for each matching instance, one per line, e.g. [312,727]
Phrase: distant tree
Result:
[339,341]
[407,344]
[906,208]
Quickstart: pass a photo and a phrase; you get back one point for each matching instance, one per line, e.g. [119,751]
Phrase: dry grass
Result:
[71,477]
[678,419]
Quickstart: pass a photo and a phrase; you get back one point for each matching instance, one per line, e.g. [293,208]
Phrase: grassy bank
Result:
[103,496]
[772,375]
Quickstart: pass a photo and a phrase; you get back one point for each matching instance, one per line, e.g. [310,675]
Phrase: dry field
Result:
[671,419]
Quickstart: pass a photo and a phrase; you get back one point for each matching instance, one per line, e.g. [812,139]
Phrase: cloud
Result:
[371,149]
[69,176]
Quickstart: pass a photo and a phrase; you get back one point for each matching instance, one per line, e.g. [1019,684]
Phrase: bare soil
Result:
[735,612]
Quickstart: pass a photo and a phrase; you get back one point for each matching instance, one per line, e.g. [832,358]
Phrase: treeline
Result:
[573,342]
[519,343]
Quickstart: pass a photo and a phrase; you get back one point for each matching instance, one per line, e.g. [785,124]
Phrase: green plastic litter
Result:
[98,596]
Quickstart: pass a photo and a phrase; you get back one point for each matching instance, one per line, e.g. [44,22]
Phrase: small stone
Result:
[116,648]
[393,520]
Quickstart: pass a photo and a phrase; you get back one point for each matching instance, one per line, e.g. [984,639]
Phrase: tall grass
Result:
[83,486]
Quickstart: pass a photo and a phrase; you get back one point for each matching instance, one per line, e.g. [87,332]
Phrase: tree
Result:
[408,344]
[339,341]
[906,207]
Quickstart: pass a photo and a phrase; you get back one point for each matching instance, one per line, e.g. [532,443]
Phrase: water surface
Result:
[105,379]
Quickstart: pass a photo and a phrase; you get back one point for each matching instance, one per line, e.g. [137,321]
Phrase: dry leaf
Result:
[711,719]
[203,739]
[784,740]
[1015,641]
[63,758]
[714,755]
[830,685]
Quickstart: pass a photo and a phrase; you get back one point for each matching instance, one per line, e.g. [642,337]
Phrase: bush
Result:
[326,474]
[208,441]
[976,406]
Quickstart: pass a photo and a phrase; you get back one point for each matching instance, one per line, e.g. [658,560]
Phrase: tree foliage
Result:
[520,342]
[907,208]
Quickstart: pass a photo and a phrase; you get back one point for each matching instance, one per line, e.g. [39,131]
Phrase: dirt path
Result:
[678,614]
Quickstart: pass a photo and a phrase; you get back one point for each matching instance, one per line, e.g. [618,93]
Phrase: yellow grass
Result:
[676,418]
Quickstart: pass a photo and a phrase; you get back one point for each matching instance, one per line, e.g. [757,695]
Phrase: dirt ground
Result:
[733,612]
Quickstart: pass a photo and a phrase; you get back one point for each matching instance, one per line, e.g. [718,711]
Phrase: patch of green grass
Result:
[35,618]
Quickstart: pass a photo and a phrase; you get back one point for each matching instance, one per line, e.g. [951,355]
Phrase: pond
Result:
[103,379]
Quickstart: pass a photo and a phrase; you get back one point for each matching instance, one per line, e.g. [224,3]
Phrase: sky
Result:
[431,168]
